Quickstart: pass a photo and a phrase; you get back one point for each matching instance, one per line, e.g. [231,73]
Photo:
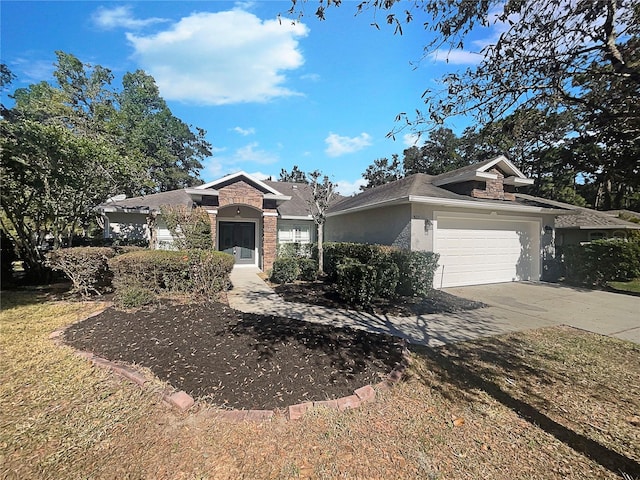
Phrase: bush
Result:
[86,267]
[308,269]
[336,253]
[134,297]
[416,271]
[199,272]
[602,261]
[356,282]
[285,270]
[387,275]
[297,250]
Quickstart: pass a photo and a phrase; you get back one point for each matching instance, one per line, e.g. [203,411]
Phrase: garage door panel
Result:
[476,251]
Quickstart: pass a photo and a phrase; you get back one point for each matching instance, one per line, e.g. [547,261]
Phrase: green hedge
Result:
[308,269]
[416,272]
[297,250]
[602,261]
[356,283]
[285,270]
[335,253]
[199,272]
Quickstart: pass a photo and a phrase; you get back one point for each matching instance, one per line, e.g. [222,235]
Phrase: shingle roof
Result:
[151,202]
[300,194]
[581,218]
[417,185]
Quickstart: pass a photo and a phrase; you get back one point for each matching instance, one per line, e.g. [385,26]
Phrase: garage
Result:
[484,249]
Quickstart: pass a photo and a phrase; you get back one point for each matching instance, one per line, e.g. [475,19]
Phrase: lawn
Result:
[632,286]
[552,403]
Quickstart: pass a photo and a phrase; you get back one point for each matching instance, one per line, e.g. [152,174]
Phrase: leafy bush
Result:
[297,250]
[602,261]
[308,269]
[387,275]
[199,272]
[134,296]
[416,271]
[336,253]
[189,227]
[356,282]
[285,270]
[86,267]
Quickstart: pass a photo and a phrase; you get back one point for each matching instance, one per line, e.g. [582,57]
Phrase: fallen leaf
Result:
[458,422]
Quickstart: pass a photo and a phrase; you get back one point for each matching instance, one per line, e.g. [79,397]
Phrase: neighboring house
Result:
[472,217]
[249,217]
[585,225]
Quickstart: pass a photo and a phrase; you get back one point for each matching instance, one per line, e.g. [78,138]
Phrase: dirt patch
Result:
[239,360]
[325,294]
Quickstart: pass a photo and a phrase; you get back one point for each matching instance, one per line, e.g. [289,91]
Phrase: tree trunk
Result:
[320,249]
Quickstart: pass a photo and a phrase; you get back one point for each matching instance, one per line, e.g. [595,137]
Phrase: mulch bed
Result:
[325,294]
[238,360]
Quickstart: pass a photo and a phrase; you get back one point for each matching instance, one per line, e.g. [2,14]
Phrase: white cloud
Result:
[411,139]
[244,131]
[347,188]
[222,58]
[262,176]
[456,57]
[121,17]
[338,145]
[31,70]
[250,153]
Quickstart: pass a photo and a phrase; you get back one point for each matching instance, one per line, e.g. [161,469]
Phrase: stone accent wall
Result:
[269,239]
[240,193]
[494,189]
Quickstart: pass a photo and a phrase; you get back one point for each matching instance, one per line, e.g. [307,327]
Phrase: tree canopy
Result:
[294,176]
[70,145]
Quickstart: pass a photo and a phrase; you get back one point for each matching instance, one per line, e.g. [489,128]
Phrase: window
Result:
[596,236]
[294,234]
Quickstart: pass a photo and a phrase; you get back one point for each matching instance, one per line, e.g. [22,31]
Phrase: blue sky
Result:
[269,93]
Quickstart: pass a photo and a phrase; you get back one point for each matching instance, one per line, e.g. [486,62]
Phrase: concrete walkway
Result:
[535,307]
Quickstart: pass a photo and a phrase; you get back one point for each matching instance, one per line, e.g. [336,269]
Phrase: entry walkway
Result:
[251,294]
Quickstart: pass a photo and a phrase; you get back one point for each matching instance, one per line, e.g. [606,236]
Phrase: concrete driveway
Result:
[526,305]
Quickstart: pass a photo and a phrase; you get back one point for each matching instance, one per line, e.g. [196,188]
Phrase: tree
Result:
[295,176]
[322,193]
[381,172]
[162,144]
[541,49]
[439,154]
[66,147]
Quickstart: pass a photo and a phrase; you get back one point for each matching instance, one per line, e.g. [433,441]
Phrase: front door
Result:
[239,239]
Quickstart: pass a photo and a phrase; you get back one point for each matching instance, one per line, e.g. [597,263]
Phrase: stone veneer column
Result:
[213,220]
[269,238]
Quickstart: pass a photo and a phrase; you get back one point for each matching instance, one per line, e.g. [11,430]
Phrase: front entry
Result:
[239,239]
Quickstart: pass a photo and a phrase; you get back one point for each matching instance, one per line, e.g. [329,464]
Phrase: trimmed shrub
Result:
[86,267]
[297,250]
[134,297]
[416,271]
[335,253]
[602,261]
[285,270]
[356,282]
[200,272]
[308,269]
[387,275]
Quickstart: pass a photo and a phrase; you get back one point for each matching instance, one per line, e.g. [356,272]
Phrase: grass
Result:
[632,286]
[552,403]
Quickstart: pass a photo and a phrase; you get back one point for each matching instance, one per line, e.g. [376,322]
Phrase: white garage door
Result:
[475,251]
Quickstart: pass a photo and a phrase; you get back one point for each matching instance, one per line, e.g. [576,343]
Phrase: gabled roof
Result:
[259,184]
[300,195]
[482,172]
[581,218]
[147,203]
[420,188]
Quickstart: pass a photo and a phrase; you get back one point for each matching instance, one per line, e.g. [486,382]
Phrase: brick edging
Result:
[183,401]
